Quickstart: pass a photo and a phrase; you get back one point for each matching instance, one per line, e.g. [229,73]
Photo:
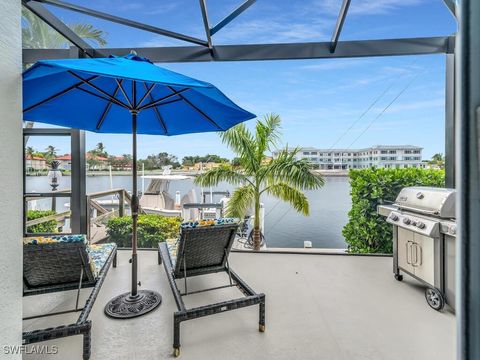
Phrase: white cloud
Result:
[272,30]
[363,7]
[142,8]
[160,41]
[336,64]
[416,105]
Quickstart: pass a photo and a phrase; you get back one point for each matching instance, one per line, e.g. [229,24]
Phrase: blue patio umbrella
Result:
[126,95]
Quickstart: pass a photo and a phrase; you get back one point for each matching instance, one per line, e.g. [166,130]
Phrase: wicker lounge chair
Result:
[202,250]
[61,263]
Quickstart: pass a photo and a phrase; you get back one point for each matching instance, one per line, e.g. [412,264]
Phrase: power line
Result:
[370,107]
[361,116]
[386,108]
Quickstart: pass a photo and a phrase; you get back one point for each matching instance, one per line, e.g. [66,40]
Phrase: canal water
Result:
[284,227]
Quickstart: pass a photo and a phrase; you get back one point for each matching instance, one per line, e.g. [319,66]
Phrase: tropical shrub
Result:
[46,227]
[151,230]
[366,231]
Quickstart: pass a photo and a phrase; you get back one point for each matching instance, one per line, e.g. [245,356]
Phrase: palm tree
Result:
[29,152]
[50,152]
[100,147]
[36,34]
[283,177]
[438,159]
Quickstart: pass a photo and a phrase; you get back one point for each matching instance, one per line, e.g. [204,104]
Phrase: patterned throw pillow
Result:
[208,222]
[37,240]
[172,246]
[98,255]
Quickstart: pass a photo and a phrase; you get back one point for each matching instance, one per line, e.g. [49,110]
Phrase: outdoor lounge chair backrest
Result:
[55,263]
[204,249]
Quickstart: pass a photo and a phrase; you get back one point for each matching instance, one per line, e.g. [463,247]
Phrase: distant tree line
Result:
[98,158]
[49,154]
[209,158]
[159,160]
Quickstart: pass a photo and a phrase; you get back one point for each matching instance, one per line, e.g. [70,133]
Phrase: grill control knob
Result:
[393,217]
[420,225]
[406,221]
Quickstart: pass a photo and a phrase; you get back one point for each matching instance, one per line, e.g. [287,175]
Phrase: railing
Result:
[98,214]
[59,217]
[204,208]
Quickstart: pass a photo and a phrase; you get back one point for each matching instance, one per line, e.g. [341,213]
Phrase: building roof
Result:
[28,157]
[68,157]
[375,147]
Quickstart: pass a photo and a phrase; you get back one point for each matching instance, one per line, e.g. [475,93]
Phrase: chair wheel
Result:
[261,328]
[434,298]
[176,352]
[398,277]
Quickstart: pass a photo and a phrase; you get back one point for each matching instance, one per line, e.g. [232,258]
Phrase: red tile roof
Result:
[68,157]
[34,158]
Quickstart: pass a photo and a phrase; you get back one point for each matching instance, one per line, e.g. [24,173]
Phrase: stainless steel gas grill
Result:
[424,228]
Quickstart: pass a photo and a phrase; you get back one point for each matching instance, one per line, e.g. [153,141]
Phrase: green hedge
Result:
[152,229]
[46,227]
[367,232]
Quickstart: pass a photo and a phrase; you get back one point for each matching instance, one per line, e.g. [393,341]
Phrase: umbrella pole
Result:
[134,303]
[134,205]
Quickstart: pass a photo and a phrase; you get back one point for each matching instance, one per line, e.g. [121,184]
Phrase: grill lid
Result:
[439,202]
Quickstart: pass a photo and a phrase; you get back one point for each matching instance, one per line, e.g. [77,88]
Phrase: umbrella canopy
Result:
[93,94]
[126,95]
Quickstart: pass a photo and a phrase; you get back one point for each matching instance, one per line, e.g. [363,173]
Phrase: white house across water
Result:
[379,156]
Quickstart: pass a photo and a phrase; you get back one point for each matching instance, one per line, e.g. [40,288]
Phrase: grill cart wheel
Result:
[434,298]
[176,351]
[398,277]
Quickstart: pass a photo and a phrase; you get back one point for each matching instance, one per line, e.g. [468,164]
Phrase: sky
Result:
[322,103]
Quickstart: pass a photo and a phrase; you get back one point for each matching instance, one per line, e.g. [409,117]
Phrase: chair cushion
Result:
[172,246]
[98,255]
[208,222]
[37,240]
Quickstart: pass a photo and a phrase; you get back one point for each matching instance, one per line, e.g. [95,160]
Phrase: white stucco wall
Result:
[10,176]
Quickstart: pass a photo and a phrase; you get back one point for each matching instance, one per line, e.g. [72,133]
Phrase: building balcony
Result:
[317,307]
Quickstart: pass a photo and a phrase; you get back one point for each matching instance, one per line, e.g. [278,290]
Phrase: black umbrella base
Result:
[126,306]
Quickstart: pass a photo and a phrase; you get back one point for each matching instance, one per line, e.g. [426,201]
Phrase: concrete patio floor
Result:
[317,307]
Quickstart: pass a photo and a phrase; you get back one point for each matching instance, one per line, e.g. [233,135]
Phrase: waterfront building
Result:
[379,156]
[93,162]
[33,163]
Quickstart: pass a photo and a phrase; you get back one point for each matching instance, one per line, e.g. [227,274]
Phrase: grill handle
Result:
[418,260]
[414,263]
[408,250]
[430,212]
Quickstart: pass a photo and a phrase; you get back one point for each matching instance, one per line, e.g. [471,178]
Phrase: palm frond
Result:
[289,194]
[38,34]
[267,132]
[298,173]
[241,201]
[89,32]
[224,173]
[241,141]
